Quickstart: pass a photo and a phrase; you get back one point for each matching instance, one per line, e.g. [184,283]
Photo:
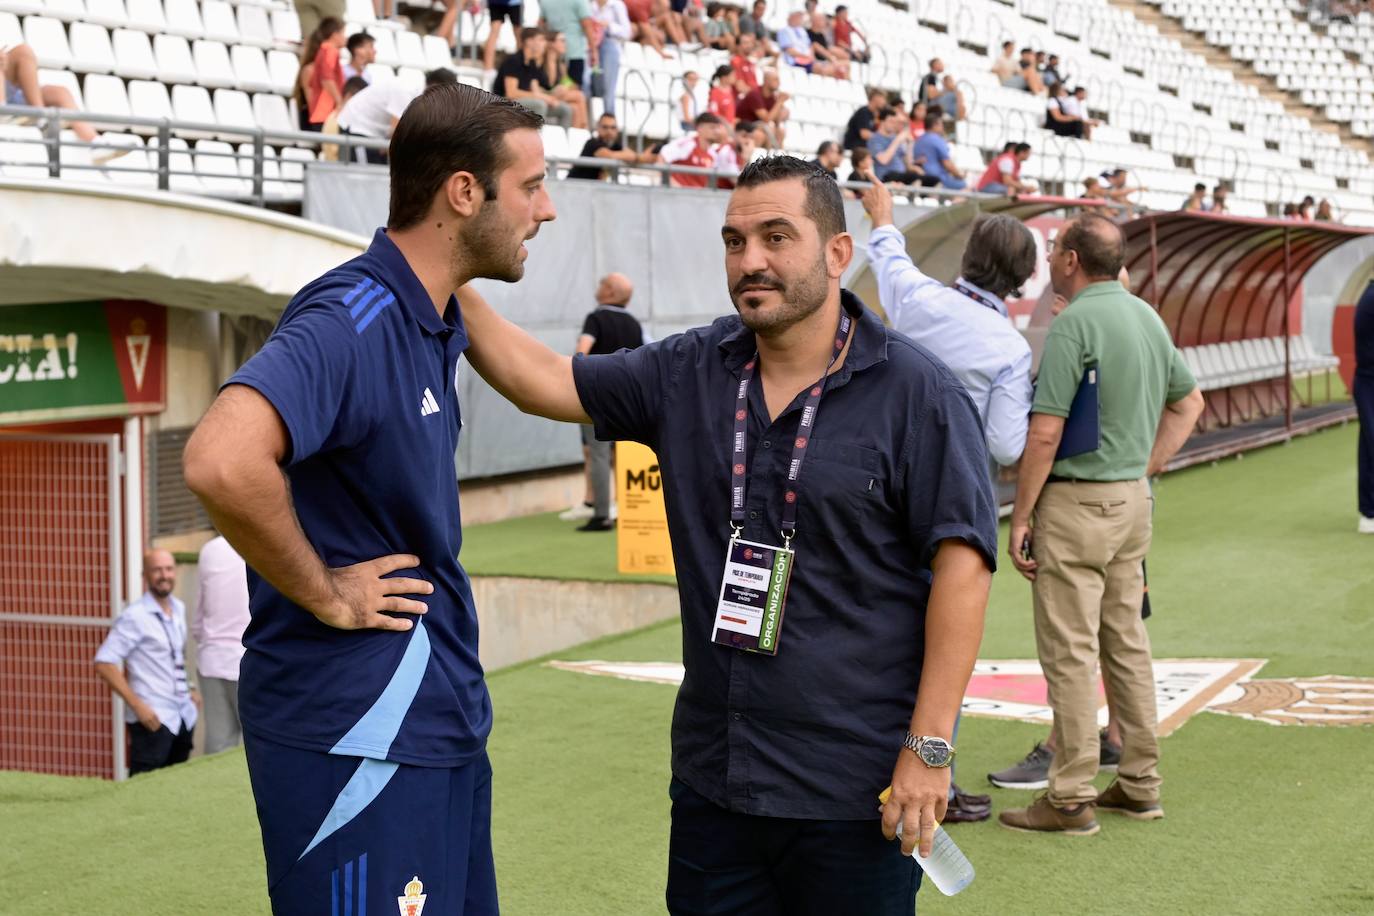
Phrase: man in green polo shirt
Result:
[1081,526]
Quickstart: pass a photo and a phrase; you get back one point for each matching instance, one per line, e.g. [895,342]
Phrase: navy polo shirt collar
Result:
[867,348]
[410,291]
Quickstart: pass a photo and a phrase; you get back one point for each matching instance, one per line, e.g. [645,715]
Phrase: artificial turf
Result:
[1252,558]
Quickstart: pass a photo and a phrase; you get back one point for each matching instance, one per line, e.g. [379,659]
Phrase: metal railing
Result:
[160,132]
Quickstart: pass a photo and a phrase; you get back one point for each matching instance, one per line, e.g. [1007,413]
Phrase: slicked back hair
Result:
[1000,255]
[824,203]
[450,127]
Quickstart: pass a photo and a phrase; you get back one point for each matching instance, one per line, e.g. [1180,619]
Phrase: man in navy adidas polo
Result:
[327,461]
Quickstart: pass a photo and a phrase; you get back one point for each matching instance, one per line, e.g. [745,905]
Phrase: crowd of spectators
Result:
[1308,210]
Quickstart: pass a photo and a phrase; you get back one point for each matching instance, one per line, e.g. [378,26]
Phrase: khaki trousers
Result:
[311,12]
[1089,542]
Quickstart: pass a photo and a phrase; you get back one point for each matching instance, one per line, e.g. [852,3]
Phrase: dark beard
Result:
[485,248]
[801,299]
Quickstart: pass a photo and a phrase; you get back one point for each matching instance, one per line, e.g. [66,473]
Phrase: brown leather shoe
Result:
[1114,798]
[1043,817]
[967,809]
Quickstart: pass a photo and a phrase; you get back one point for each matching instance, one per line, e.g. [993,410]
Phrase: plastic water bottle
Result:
[947,867]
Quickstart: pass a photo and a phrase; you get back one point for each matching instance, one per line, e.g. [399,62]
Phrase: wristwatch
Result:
[933,751]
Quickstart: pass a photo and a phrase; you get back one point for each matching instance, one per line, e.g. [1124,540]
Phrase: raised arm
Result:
[900,282]
[526,372]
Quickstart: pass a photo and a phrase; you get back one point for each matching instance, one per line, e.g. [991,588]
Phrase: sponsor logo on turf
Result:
[1326,700]
[413,903]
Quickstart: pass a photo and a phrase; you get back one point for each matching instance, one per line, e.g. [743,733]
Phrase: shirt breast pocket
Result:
[845,490]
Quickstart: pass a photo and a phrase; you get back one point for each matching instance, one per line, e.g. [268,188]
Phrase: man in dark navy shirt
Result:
[802,436]
[327,461]
[1363,391]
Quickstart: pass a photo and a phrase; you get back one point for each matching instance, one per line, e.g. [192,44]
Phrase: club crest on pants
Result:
[413,903]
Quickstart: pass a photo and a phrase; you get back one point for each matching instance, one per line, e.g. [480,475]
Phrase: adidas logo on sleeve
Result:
[427,404]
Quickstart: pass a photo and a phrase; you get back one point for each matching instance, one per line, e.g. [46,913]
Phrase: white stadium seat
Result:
[91,49]
[134,55]
[234,109]
[106,95]
[183,18]
[149,99]
[11,32]
[213,69]
[218,171]
[250,69]
[22,152]
[21,8]
[272,114]
[282,68]
[255,27]
[174,61]
[109,13]
[218,19]
[65,10]
[48,39]
[192,103]
[67,80]
[147,16]
[286,27]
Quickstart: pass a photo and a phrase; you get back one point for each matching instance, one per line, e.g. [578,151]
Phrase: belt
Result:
[1055,478]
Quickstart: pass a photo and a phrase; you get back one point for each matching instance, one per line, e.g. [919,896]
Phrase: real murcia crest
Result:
[413,903]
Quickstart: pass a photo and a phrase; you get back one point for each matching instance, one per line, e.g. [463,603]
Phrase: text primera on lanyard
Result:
[754,588]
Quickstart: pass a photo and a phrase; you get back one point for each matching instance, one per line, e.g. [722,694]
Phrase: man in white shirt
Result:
[708,147]
[362,52]
[375,111]
[221,617]
[143,659]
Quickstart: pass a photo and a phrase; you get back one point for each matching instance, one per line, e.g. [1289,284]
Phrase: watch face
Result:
[935,753]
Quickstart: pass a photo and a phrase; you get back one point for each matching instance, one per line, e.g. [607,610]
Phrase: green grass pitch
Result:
[1252,558]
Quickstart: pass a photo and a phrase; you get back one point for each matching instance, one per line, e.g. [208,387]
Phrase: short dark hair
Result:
[707,117]
[886,112]
[876,90]
[841,9]
[858,156]
[358,39]
[1199,187]
[746,126]
[1022,148]
[1100,246]
[825,147]
[1009,146]
[440,76]
[1000,255]
[529,32]
[824,203]
[450,128]
[933,62]
[933,119]
[1008,44]
[605,115]
[1027,50]
[353,84]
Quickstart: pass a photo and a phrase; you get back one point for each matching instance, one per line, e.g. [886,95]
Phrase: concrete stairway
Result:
[1244,72]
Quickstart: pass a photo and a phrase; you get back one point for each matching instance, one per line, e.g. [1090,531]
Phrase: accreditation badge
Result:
[752,596]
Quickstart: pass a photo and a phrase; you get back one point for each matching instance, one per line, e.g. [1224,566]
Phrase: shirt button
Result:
[754,515]
[767,443]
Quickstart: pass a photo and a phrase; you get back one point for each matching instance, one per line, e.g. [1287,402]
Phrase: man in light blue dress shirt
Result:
[143,659]
[966,325]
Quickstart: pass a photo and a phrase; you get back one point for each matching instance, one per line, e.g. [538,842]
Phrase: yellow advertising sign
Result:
[642,544]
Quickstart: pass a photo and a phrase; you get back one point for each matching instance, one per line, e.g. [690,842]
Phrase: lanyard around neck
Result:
[739,459]
[976,296]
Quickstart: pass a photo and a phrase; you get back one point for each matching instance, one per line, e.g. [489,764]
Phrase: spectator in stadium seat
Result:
[19,85]
[719,34]
[1115,188]
[330,152]
[932,151]
[1005,66]
[1290,211]
[500,13]
[521,78]
[1326,213]
[797,47]
[1093,190]
[574,19]
[1058,119]
[751,23]
[767,107]
[864,122]
[376,110]
[1081,525]
[1306,208]
[311,13]
[610,328]
[845,32]
[1363,392]
[836,59]
[707,147]
[326,76]
[606,143]
[860,161]
[1196,200]
[749,142]
[362,51]
[829,156]
[614,22]
[221,617]
[724,96]
[785,252]
[143,660]
[891,146]
[646,30]
[1076,104]
[559,82]
[1219,195]
[743,64]
[916,122]
[693,100]
[1050,72]
[1029,74]
[929,89]
[951,100]
[1004,172]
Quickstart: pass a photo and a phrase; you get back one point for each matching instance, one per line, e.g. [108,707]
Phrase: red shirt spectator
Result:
[844,32]
[704,148]
[998,168]
[327,69]
[723,99]
[745,72]
[641,11]
[755,105]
